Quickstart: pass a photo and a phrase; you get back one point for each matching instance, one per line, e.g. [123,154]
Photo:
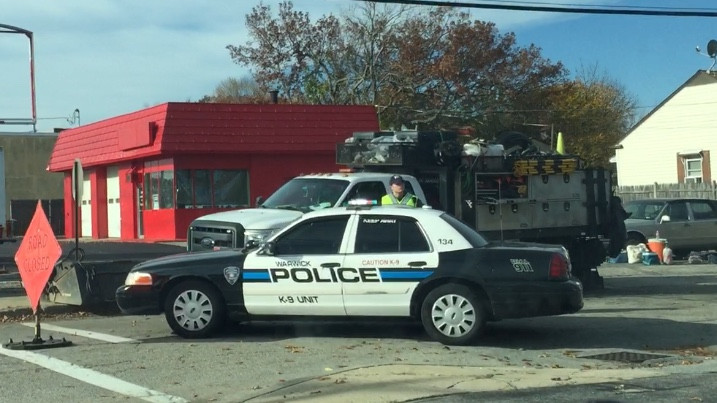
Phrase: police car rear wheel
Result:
[194,309]
[452,314]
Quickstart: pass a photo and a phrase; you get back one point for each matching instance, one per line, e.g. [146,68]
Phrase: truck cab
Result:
[305,193]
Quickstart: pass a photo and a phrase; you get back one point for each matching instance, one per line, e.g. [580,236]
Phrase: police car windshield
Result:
[307,194]
[475,239]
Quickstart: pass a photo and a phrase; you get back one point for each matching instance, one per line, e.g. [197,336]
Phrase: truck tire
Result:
[194,309]
[453,314]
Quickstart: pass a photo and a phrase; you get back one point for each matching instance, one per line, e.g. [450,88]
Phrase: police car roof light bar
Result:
[361,204]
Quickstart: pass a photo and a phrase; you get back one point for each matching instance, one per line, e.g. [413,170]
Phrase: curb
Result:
[11,313]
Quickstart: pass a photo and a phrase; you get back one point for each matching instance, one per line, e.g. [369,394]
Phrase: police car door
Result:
[298,276]
[391,255]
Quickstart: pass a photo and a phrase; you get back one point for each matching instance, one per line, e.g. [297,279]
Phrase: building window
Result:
[185,190]
[202,188]
[693,169]
[231,188]
[159,190]
[219,188]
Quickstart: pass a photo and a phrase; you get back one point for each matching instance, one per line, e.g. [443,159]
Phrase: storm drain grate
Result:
[626,356]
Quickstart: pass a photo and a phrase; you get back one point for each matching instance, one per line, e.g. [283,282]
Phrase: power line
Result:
[662,11]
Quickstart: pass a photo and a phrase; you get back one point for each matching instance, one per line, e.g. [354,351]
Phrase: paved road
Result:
[672,388]
[662,318]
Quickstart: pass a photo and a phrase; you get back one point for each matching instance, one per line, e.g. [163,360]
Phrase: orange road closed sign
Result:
[37,256]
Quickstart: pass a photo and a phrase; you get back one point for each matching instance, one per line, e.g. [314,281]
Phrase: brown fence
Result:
[668,191]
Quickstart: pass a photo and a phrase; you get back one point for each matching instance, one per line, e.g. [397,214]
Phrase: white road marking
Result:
[92,377]
[84,333]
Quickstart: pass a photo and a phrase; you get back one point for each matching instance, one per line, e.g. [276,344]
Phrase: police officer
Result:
[399,195]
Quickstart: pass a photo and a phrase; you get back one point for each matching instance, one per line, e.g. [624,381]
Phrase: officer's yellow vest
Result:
[408,200]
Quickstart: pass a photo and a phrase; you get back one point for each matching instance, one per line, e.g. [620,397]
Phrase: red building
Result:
[148,174]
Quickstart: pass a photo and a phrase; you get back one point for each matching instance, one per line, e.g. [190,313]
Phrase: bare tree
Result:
[287,51]
[429,68]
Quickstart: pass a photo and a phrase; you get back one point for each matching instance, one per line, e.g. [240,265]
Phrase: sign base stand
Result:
[37,343]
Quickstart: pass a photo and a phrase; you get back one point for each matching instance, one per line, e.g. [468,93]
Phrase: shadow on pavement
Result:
[566,332]
[663,285]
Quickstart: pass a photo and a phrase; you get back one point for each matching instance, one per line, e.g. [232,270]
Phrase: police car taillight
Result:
[559,267]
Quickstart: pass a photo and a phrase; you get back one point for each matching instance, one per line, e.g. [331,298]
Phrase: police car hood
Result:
[254,218]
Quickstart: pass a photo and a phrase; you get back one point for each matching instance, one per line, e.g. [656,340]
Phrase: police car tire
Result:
[192,295]
[467,315]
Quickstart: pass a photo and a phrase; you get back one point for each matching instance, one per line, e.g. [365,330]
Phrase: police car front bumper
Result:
[138,300]
[538,299]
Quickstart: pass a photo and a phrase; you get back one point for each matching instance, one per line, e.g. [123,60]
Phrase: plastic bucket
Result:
[657,245]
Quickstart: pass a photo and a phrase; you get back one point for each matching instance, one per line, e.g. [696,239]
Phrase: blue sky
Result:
[107,58]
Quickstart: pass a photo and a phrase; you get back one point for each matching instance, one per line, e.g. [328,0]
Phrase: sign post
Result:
[77,187]
[36,258]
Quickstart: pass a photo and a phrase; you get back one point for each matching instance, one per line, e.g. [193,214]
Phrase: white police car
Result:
[360,262]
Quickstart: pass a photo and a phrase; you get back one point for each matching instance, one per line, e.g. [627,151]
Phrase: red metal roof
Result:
[190,128]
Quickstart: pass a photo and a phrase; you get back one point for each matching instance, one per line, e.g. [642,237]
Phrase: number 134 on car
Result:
[359,262]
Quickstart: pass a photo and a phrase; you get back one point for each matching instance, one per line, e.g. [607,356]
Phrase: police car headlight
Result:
[258,236]
[138,278]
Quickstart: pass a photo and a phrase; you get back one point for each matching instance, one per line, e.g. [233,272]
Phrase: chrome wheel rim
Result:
[453,315]
[192,310]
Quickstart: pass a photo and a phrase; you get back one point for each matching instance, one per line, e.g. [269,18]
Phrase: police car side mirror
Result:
[259,200]
[267,249]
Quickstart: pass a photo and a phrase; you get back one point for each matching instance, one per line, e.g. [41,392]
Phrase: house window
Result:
[693,166]
[202,188]
[693,169]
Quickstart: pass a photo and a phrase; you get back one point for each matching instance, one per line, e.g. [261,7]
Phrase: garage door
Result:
[114,226]
[86,207]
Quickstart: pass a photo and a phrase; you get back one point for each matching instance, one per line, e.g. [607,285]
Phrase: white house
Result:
[672,143]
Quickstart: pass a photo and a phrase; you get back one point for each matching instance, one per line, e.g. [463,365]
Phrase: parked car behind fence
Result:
[686,224]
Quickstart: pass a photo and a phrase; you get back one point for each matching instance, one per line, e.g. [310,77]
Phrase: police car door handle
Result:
[330,265]
[416,264]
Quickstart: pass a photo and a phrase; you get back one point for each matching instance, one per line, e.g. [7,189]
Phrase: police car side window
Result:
[387,234]
[316,237]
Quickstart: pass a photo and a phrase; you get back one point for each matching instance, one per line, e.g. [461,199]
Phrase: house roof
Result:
[201,128]
[701,77]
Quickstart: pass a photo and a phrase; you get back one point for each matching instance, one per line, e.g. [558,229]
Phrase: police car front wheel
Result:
[452,314]
[194,309]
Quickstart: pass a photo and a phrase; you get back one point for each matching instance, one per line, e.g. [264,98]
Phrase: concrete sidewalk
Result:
[14,302]
[17,307]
